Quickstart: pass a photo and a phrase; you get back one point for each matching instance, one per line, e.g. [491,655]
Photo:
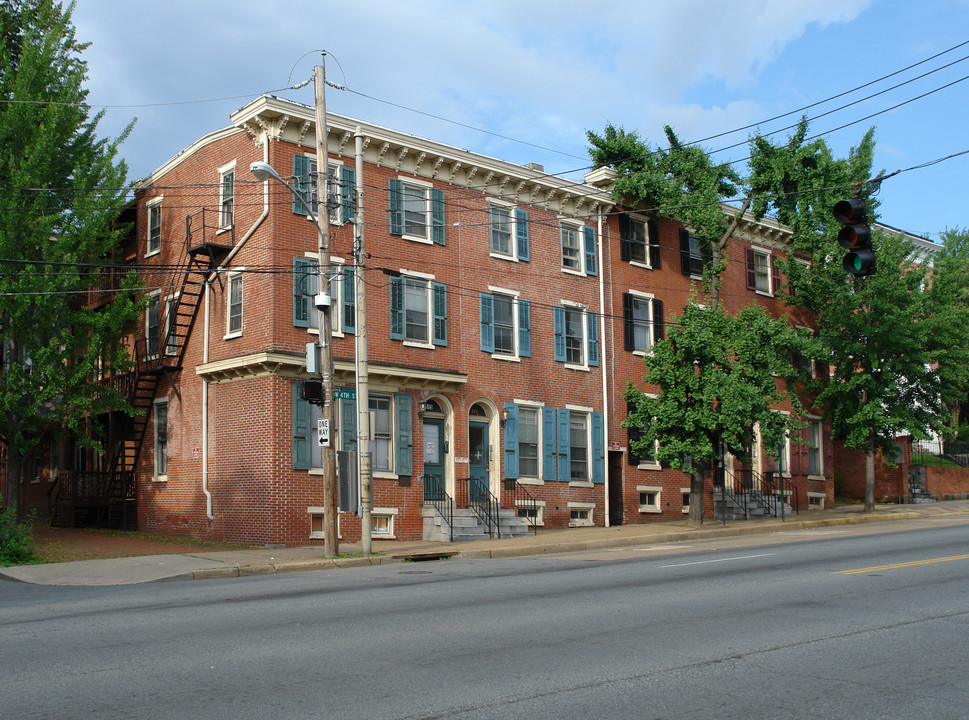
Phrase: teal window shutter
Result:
[395,206]
[437,216]
[487,305]
[439,298]
[558,325]
[404,455]
[348,194]
[524,329]
[511,441]
[349,299]
[348,424]
[302,268]
[564,447]
[592,321]
[521,233]
[301,181]
[598,449]
[590,250]
[396,308]
[301,430]
[548,443]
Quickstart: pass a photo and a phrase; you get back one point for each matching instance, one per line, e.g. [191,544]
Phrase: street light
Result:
[264,172]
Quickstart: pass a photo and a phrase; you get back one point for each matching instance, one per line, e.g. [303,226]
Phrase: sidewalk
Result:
[268,561]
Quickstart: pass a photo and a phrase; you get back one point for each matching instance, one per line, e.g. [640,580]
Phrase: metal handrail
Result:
[516,497]
[484,504]
[436,496]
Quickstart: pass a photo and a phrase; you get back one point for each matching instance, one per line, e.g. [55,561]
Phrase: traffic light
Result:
[855,237]
[312,392]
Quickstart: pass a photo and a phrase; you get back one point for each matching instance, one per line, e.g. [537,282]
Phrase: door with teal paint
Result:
[434,459]
[479,457]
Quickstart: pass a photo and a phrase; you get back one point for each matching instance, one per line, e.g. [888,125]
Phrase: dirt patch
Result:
[66,544]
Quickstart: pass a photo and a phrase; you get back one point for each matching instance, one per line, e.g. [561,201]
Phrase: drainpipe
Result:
[205,340]
[605,374]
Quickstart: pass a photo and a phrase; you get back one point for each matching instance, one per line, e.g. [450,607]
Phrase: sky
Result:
[524,80]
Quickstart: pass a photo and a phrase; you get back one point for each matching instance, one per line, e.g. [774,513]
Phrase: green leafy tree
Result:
[884,335]
[62,191]
[718,376]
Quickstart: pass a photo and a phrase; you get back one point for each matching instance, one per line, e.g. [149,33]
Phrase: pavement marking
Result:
[895,566]
[705,562]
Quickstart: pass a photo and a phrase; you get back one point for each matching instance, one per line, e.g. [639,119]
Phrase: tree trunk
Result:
[695,518]
[870,473]
[15,477]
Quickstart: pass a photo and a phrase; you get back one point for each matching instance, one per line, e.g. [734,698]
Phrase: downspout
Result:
[605,371]
[205,342]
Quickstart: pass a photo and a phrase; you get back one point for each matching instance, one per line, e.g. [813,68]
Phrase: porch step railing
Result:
[436,496]
[753,493]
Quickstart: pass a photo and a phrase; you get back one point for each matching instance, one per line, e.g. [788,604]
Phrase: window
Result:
[691,254]
[814,447]
[576,336]
[815,500]
[639,458]
[416,211]
[382,522]
[685,492]
[382,433]
[418,311]
[171,325]
[580,514]
[762,275]
[227,197]
[153,326]
[578,248]
[642,321]
[569,442]
[342,292]
[340,189]
[154,226]
[533,513]
[505,325]
[161,438]
[639,241]
[233,323]
[508,231]
[649,499]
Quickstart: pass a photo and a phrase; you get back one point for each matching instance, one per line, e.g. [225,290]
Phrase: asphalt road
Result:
[821,625]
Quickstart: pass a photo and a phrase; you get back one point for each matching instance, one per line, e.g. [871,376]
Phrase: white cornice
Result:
[185,154]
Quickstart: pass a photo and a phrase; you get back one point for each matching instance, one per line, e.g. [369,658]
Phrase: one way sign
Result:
[323,431]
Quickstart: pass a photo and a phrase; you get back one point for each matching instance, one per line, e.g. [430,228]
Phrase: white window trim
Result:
[657,506]
[758,250]
[164,305]
[155,297]
[335,165]
[584,309]
[587,411]
[539,510]
[512,256]
[577,225]
[639,263]
[537,406]
[319,510]
[155,476]
[427,210]
[514,295]
[230,167]
[427,279]
[648,297]
[816,496]
[229,334]
[787,449]
[686,491]
[815,420]
[153,203]
[588,522]
[336,295]
[387,512]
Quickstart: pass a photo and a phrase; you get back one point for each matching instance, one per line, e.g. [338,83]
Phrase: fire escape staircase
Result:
[162,355]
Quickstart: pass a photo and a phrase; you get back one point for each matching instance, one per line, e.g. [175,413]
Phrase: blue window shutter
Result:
[487,305]
[437,216]
[349,299]
[404,454]
[301,430]
[598,449]
[548,443]
[524,329]
[564,447]
[439,301]
[301,181]
[592,324]
[590,250]
[396,309]
[511,441]
[395,206]
[558,325]
[348,424]
[348,194]
[521,233]
[301,299]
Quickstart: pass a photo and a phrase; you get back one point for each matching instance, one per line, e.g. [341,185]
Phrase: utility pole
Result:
[363,377]
[324,306]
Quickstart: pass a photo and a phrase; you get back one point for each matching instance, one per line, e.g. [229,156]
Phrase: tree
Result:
[62,191]
[719,376]
[883,335]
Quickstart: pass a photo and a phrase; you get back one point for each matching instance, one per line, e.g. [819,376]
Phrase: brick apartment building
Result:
[507,310]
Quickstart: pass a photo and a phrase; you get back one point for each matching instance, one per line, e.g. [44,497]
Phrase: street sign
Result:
[344,394]
[323,431]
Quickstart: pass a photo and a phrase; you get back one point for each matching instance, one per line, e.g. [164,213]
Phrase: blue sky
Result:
[540,73]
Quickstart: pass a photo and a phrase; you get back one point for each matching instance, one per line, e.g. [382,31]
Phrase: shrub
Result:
[16,540]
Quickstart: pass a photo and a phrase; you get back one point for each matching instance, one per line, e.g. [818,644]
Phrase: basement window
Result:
[649,499]
[580,514]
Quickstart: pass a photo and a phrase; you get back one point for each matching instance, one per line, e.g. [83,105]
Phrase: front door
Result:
[478,457]
[433,459]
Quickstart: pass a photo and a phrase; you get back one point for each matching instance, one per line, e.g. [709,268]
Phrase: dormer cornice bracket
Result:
[383,151]
[437,166]
[401,154]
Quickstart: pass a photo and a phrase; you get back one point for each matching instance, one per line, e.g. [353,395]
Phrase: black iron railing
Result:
[516,497]
[436,496]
